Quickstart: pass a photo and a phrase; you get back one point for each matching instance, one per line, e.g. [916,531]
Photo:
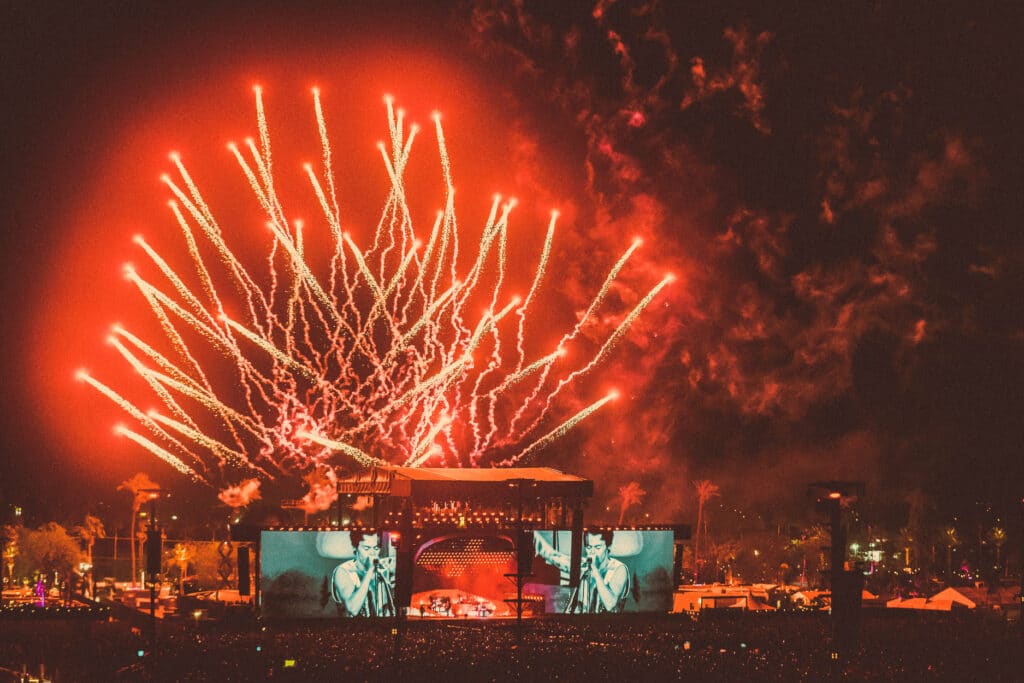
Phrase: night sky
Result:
[837,186]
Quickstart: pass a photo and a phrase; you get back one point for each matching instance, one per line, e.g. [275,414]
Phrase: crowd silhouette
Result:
[727,646]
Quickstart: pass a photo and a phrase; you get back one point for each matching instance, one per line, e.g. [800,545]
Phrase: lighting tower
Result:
[846,585]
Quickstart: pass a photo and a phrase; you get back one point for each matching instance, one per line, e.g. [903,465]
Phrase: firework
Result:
[398,354]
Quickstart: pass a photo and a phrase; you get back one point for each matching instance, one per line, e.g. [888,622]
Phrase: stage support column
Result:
[403,578]
[576,545]
[242,564]
[257,548]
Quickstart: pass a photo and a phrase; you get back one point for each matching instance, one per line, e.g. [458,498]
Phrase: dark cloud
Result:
[821,206]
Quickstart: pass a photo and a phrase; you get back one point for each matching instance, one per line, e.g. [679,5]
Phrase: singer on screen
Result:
[604,581]
[364,585]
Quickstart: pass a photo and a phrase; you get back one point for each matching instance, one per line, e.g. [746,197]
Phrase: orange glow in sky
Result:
[111,205]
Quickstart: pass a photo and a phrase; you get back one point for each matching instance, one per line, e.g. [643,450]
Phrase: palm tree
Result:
[182,554]
[8,550]
[998,537]
[724,553]
[907,541]
[917,529]
[811,543]
[705,492]
[89,531]
[952,540]
[137,485]
[631,494]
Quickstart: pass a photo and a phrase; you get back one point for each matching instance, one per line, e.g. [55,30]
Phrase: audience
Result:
[726,646]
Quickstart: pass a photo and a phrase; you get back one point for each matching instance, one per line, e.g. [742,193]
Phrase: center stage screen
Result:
[622,570]
[327,574]
[463,574]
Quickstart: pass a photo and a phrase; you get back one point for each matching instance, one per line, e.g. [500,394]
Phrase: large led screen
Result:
[326,574]
[622,570]
[464,575]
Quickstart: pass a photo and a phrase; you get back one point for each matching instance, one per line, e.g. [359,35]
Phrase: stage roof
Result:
[482,474]
[488,484]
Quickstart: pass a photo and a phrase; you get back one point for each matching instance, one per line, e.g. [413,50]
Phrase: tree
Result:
[952,540]
[916,533]
[88,532]
[907,543]
[182,554]
[10,551]
[723,553]
[819,537]
[203,563]
[705,492]
[811,543]
[137,485]
[997,535]
[631,494]
[48,550]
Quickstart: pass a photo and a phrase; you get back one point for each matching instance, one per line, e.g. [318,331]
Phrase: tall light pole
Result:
[846,586]
[153,548]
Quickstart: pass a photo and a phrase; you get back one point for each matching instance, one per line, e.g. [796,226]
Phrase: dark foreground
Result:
[717,647]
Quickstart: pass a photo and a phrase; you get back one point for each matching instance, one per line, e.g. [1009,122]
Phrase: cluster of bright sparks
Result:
[399,355]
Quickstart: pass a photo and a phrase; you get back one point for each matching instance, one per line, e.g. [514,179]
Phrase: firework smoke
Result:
[401,353]
[239,496]
[322,483]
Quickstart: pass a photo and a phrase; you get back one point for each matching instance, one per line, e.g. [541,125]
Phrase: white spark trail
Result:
[398,352]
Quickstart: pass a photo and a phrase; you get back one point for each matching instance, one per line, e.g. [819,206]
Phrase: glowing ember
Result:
[394,357]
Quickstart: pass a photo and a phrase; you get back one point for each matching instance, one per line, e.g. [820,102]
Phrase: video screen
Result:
[621,570]
[463,575]
[327,574]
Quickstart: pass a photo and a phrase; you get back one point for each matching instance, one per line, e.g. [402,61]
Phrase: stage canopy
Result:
[486,484]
